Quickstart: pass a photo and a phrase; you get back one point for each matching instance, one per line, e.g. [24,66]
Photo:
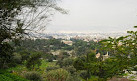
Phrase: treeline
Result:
[46,45]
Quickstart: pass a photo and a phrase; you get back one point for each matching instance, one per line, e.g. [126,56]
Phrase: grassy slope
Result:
[21,69]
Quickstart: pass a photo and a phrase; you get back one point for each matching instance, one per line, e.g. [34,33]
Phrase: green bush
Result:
[70,69]
[14,77]
[34,61]
[65,62]
[57,75]
[83,74]
[73,77]
[17,58]
[10,77]
[33,76]
[51,68]
[5,78]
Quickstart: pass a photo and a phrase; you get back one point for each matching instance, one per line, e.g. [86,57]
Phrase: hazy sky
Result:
[96,15]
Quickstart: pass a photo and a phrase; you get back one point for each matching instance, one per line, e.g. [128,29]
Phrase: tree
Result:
[124,47]
[33,61]
[123,53]
[18,18]
[5,55]
[103,69]
[65,62]
[87,63]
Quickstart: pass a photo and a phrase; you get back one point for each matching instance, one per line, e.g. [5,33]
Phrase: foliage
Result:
[52,68]
[65,62]
[6,55]
[70,69]
[18,18]
[123,55]
[13,26]
[92,66]
[80,46]
[109,68]
[44,45]
[5,76]
[50,57]
[33,61]
[123,48]
[79,63]
[73,77]
[83,74]
[17,58]
[33,76]
[57,75]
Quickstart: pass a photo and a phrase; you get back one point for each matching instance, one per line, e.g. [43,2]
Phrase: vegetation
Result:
[10,77]
[57,75]
[33,76]
[26,59]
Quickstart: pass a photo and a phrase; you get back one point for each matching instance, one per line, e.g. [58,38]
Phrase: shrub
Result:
[84,75]
[118,79]
[57,75]
[5,78]
[10,77]
[51,68]
[70,69]
[73,77]
[17,58]
[14,77]
[65,62]
[33,61]
[33,76]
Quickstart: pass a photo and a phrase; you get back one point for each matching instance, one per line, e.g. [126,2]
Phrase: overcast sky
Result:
[95,16]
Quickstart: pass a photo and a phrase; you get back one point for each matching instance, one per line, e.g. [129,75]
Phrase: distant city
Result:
[82,36]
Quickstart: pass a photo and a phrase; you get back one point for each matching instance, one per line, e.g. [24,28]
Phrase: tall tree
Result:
[21,17]
[18,17]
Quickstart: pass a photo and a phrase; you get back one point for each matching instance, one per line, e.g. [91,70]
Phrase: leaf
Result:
[104,41]
[120,38]
[135,26]
[130,32]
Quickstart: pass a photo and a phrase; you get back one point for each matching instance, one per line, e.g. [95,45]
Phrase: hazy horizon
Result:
[95,16]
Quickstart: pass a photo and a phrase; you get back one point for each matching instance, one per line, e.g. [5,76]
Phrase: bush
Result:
[84,75]
[70,69]
[57,75]
[14,77]
[65,62]
[33,61]
[73,74]
[5,78]
[17,58]
[33,76]
[73,77]
[51,68]
[10,77]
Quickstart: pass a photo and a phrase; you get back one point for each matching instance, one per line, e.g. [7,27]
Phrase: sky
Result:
[95,16]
